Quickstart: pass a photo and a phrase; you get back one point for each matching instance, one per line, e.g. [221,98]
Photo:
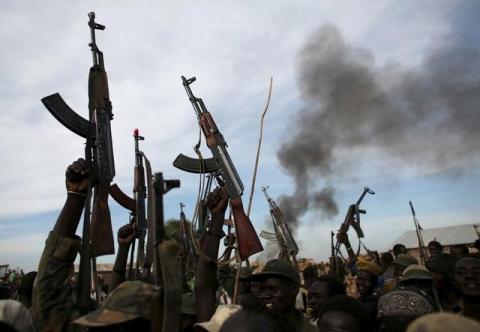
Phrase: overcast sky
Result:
[233,48]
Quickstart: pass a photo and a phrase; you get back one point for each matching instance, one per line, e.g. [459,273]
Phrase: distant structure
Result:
[448,236]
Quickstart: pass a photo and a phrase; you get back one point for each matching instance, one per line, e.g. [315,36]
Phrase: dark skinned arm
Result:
[342,237]
[206,276]
[53,306]
[125,236]
[77,182]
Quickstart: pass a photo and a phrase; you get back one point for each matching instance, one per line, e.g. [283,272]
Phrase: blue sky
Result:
[233,48]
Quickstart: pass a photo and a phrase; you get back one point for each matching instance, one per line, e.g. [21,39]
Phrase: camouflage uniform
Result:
[53,304]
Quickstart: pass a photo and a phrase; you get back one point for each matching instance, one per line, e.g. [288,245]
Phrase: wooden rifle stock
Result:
[247,238]
[101,234]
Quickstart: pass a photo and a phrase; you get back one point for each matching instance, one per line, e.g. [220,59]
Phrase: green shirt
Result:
[53,305]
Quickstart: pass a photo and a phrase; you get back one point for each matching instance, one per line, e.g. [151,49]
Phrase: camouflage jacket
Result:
[53,304]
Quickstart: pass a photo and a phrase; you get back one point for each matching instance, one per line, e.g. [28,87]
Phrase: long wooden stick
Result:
[237,277]
[258,148]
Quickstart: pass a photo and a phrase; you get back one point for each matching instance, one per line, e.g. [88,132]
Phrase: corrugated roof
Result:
[101,267]
[451,235]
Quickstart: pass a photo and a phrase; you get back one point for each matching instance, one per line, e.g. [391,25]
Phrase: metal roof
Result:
[451,235]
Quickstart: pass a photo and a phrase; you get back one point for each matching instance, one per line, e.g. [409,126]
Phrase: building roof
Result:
[451,235]
[101,267]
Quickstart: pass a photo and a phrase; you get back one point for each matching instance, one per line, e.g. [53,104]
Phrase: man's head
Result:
[399,249]
[128,308]
[249,319]
[342,313]
[442,267]
[434,248]
[397,309]
[320,290]
[402,262]
[467,277]
[386,260]
[460,250]
[243,281]
[310,273]
[279,285]
[416,276]
[367,277]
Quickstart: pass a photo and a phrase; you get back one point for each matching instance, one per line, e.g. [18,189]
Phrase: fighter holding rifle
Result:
[288,245]
[352,219]
[97,230]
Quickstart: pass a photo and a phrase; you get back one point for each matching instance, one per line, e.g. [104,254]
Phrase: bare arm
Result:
[206,277]
[77,183]
[126,235]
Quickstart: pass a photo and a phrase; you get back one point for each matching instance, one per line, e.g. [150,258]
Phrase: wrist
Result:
[123,246]
[76,194]
[216,233]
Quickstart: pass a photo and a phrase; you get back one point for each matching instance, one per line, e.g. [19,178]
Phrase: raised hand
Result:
[126,234]
[217,201]
[77,177]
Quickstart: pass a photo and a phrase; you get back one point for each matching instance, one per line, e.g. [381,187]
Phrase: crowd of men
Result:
[392,291]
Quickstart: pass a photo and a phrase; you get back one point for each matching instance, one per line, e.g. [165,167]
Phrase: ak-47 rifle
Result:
[97,229]
[418,230]
[221,163]
[190,256]
[136,206]
[167,291]
[288,245]
[352,219]
[139,194]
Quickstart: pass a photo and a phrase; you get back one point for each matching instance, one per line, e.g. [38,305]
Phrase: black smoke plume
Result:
[427,117]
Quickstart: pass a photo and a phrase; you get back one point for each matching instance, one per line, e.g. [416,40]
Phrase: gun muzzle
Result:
[92,24]
[188,81]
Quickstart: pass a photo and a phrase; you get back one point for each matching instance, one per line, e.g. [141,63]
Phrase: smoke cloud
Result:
[428,117]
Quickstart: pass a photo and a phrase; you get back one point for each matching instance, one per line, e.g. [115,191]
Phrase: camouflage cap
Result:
[369,267]
[405,260]
[130,300]
[278,268]
[222,313]
[416,272]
